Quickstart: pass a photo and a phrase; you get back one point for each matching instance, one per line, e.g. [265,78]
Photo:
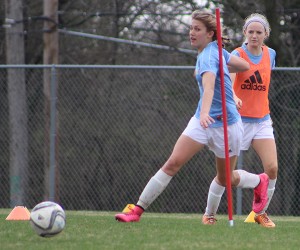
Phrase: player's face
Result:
[199,36]
[255,34]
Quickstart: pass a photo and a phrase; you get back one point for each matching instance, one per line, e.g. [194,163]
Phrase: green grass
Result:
[99,230]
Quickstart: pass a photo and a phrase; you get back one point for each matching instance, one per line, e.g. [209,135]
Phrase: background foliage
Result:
[158,22]
[105,116]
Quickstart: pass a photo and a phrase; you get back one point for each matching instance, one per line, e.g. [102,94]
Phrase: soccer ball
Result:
[47,219]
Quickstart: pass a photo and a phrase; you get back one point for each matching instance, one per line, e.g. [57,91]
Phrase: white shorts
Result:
[214,137]
[262,130]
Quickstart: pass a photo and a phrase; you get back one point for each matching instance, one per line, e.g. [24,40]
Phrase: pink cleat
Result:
[261,194]
[133,215]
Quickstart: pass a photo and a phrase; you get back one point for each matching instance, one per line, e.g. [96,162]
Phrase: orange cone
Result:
[250,217]
[19,213]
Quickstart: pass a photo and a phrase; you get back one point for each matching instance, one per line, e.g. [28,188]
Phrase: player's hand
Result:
[205,120]
[238,102]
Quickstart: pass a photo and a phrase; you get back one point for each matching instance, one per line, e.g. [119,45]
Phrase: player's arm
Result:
[237,64]
[208,82]
[237,100]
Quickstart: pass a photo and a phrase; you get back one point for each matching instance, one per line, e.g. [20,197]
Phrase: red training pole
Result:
[228,177]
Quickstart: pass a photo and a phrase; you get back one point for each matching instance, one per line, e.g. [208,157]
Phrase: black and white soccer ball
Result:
[48,219]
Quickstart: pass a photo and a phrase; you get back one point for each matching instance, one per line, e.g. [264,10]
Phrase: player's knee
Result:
[171,167]
[271,170]
[222,181]
[234,180]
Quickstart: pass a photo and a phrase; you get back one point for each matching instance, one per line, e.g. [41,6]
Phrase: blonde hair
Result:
[256,17]
[209,20]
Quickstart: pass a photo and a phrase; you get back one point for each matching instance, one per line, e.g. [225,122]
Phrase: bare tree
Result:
[17,104]
[159,22]
[138,20]
[284,19]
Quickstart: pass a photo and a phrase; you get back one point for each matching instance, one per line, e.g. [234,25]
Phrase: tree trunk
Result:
[17,104]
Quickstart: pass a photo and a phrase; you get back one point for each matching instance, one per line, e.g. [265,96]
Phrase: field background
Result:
[99,230]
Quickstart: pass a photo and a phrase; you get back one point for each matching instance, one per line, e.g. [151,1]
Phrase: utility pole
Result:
[50,58]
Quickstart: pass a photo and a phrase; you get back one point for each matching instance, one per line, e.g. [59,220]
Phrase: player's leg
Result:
[216,190]
[239,178]
[255,133]
[184,149]
[266,150]
[217,186]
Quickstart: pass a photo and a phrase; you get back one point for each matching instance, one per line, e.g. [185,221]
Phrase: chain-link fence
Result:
[94,135]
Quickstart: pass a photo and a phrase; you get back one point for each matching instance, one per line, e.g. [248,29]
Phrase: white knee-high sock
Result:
[214,197]
[247,180]
[154,188]
[271,189]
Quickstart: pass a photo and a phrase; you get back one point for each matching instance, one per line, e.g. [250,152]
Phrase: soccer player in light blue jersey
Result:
[205,128]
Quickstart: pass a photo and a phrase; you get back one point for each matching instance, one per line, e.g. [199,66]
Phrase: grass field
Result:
[99,230]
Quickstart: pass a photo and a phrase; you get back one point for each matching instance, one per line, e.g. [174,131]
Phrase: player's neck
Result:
[256,51]
[203,46]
